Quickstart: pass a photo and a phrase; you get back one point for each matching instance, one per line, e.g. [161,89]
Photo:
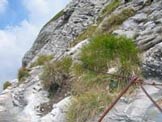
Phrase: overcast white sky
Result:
[20,22]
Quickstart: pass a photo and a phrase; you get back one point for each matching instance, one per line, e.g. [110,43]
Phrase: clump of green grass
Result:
[23,73]
[55,73]
[6,85]
[41,60]
[104,51]
[86,34]
[117,19]
[92,88]
[87,106]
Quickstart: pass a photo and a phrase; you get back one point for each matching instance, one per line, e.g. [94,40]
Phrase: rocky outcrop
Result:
[146,29]
[137,108]
[56,35]
[22,102]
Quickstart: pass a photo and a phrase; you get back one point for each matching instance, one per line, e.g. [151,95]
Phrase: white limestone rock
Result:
[58,114]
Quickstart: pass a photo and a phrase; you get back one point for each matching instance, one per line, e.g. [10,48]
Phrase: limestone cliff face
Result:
[145,26]
[23,102]
[56,35]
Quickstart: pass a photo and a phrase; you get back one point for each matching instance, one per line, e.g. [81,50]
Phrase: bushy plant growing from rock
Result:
[41,60]
[92,88]
[23,73]
[105,51]
[6,85]
[55,73]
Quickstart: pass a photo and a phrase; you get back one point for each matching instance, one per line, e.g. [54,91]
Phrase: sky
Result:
[20,23]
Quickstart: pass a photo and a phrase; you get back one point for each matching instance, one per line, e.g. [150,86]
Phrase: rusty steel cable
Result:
[117,99]
[144,83]
[152,100]
[133,80]
[152,84]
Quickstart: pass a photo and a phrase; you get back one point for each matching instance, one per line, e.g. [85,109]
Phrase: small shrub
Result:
[117,19]
[86,106]
[23,74]
[6,85]
[55,73]
[41,60]
[105,51]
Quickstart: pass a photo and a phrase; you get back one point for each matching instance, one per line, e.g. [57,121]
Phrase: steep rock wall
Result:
[57,34]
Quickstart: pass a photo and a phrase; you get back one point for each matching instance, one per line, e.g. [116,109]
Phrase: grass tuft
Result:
[41,60]
[105,51]
[23,74]
[55,73]
[92,88]
[86,34]
[87,106]
[110,7]
[117,19]
[6,85]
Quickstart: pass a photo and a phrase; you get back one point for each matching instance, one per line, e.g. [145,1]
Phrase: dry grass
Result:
[109,9]
[84,35]
[23,74]
[117,19]
[41,60]
[92,88]
[88,105]
[55,74]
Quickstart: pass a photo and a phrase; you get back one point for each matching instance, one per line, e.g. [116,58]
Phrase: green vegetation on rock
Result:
[23,73]
[55,73]
[110,7]
[94,102]
[6,85]
[41,60]
[117,19]
[84,35]
[92,29]
[58,15]
[92,88]
[105,51]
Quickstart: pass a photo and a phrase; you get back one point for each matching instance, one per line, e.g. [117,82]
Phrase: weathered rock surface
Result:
[138,108]
[146,29]
[21,103]
[55,37]
[58,114]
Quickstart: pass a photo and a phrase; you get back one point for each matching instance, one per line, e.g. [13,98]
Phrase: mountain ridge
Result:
[82,22]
